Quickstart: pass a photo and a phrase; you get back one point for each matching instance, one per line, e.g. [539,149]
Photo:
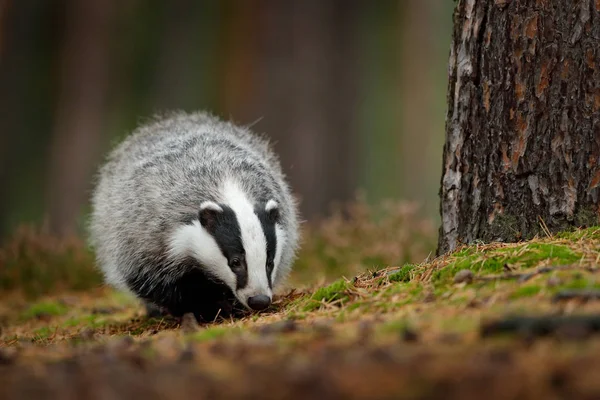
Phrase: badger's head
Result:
[238,243]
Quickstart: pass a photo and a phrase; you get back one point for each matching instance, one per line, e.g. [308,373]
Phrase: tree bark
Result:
[523,125]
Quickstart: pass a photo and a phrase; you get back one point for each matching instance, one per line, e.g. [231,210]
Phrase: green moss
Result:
[526,291]
[492,261]
[417,290]
[397,288]
[43,333]
[47,308]
[212,333]
[578,282]
[459,300]
[403,275]
[592,233]
[355,306]
[335,292]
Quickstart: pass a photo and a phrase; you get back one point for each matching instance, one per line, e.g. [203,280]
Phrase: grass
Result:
[35,263]
[335,292]
[402,275]
[356,238]
[494,259]
[386,304]
[45,308]
[526,291]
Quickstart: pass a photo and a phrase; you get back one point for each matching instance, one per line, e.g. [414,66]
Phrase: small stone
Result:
[189,323]
[465,275]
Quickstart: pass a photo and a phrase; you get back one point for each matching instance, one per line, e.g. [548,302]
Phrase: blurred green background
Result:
[352,92]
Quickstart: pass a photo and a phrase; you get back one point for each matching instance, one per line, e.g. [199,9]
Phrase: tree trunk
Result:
[307,94]
[417,89]
[523,125]
[79,122]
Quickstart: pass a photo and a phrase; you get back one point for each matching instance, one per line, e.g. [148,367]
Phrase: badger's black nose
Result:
[259,302]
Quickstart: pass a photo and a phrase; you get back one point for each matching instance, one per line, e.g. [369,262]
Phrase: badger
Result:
[193,214]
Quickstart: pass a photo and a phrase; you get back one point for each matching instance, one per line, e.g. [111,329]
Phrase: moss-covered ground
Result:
[524,323]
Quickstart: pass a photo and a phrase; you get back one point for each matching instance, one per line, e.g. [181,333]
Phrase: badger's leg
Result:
[192,292]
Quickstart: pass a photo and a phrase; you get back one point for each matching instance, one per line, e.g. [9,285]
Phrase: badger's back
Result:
[157,179]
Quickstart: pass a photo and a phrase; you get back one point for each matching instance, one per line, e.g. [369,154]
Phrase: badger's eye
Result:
[235,262]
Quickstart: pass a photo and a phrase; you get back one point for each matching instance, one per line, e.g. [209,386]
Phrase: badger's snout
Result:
[259,302]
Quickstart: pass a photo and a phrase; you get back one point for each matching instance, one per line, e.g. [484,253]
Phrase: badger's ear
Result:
[272,209]
[209,214]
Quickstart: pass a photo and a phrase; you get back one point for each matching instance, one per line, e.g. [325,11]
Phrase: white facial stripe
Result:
[281,238]
[253,240]
[209,205]
[271,204]
[193,240]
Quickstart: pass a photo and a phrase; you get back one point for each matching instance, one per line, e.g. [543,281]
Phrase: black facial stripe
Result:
[269,230]
[226,232]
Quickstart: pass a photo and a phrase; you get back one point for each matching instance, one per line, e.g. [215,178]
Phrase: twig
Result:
[544,227]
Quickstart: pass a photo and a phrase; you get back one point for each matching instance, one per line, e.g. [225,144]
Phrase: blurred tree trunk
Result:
[240,86]
[523,126]
[189,56]
[307,96]
[3,13]
[4,143]
[84,78]
[417,88]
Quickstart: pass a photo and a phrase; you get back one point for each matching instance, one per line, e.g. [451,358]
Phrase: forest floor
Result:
[505,320]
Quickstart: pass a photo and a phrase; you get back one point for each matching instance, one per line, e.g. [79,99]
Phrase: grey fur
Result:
[156,180]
